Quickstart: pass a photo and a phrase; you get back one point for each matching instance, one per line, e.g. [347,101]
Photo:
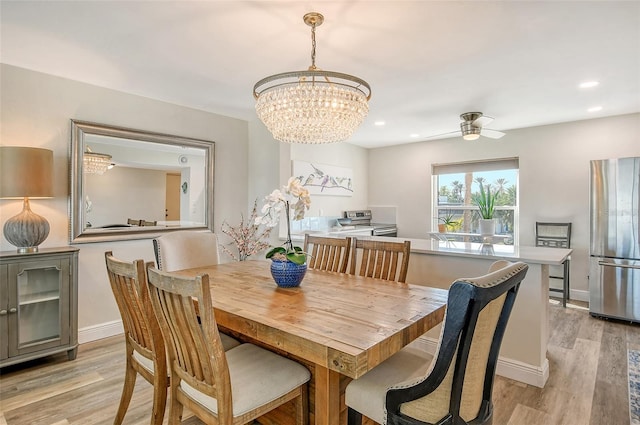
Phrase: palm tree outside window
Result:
[455,186]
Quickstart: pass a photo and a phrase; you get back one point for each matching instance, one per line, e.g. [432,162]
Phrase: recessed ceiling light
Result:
[379,123]
[595,109]
[414,135]
[589,84]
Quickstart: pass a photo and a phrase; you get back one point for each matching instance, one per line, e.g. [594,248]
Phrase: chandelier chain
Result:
[313,47]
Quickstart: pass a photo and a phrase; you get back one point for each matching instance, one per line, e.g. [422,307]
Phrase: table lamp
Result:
[26,173]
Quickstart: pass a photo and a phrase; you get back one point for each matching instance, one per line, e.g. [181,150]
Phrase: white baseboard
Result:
[574,294]
[579,295]
[523,372]
[508,368]
[103,330]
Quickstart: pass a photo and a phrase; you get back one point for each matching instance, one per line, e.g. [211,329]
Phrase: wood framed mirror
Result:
[141,183]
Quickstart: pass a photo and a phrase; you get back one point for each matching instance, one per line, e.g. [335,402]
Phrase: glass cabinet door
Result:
[41,302]
[38,305]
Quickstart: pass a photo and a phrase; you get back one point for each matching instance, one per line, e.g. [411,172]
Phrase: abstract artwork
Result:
[322,179]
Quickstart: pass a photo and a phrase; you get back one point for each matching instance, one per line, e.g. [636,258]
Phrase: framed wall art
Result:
[323,179]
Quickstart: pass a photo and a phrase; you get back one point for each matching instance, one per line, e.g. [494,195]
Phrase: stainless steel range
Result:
[362,218]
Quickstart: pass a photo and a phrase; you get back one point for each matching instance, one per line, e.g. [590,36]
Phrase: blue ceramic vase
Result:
[287,274]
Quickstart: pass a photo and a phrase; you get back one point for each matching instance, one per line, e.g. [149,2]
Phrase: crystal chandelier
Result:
[95,163]
[312,106]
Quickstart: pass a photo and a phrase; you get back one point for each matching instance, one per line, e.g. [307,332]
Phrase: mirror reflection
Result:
[129,184]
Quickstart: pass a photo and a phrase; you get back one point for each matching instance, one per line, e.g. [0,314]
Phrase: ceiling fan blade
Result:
[492,134]
[444,135]
[482,121]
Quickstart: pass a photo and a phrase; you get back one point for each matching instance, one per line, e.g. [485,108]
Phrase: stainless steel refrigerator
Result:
[614,271]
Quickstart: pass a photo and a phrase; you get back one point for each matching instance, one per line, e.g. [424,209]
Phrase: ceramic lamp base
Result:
[26,230]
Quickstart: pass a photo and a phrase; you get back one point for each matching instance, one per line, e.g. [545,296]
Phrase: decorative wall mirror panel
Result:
[131,184]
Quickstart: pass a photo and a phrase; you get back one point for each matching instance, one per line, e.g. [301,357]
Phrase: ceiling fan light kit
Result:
[312,106]
[472,127]
[469,131]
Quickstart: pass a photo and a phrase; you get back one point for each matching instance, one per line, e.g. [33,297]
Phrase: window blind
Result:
[475,166]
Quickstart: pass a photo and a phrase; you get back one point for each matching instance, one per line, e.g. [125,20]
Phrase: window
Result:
[456,185]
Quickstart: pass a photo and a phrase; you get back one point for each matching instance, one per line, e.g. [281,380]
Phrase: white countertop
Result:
[527,254]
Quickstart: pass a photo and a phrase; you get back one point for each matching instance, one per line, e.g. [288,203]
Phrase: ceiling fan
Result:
[472,127]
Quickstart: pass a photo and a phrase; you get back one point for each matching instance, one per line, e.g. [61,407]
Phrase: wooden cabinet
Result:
[38,304]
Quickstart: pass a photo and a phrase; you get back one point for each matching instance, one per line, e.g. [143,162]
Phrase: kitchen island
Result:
[523,354]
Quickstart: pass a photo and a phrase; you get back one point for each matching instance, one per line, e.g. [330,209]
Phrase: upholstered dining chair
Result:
[143,340]
[455,387]
[380,259]
[325,253]
[187,249]
[232,387]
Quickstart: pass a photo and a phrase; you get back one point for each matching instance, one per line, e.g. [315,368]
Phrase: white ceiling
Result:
[426,61]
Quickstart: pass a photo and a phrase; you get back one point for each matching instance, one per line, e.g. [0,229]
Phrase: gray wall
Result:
[554,176]
[36,109]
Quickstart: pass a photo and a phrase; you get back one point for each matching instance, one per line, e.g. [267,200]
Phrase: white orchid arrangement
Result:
[294,198]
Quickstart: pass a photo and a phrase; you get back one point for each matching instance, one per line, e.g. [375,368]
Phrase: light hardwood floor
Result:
[587,383]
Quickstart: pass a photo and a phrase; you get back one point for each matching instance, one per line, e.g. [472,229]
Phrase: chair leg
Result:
[175,408]
[354,417]
[159,397]
[127,391]
[302,407]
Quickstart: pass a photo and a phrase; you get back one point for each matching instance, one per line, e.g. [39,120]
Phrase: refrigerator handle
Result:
[622,266]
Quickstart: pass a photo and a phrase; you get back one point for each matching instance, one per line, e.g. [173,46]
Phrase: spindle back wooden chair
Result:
[144,344]
[380,259]
[225,388]
[325,253]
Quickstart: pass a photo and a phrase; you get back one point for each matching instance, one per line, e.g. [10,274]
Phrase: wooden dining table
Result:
[338,325]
